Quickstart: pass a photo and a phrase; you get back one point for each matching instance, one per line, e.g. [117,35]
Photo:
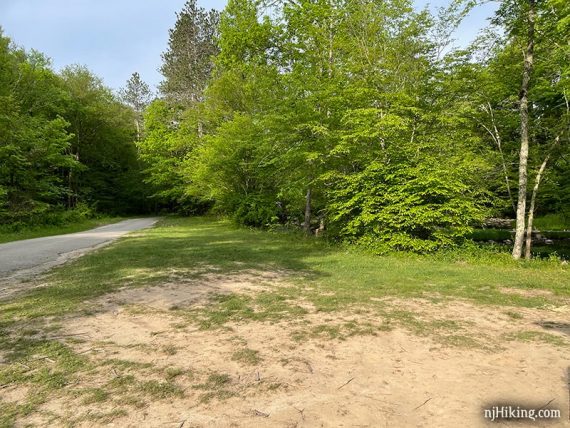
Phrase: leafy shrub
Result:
[418,208]
[45,216]
[256,210]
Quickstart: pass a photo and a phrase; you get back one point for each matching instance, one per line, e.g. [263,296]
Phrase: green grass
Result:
[553,222]
[538,336]
[50,230]
[329,278]
[491,234]
[216,387]
[247,356]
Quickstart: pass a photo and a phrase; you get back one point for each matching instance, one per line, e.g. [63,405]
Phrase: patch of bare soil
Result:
[192,293]
[527,292]
[261,374]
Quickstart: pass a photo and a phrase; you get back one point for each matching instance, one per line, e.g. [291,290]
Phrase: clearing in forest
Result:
[198,323]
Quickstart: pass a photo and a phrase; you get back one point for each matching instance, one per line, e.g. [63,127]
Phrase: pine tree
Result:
[188,62]
[137,95]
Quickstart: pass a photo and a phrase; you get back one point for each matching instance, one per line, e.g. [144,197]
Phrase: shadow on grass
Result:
[177,249]
[181,249]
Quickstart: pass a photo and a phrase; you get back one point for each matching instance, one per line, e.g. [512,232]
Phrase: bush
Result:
[42,216]
[256,211]
[419,208]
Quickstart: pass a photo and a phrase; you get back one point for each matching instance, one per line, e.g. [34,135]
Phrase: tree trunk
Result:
[528,243]
[138,127]
[523,156]
[307,224]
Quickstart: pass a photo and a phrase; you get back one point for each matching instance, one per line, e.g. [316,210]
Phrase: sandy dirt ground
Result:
[388,378]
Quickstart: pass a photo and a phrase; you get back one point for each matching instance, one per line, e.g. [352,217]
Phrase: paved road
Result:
[31,256]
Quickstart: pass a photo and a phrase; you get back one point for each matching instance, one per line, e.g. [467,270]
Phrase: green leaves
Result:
[64,139]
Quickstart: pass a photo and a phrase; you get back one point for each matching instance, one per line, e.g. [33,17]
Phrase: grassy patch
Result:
[264,306]
[247,356]
[552,222]
[106,417]
[514,315]
[172,373]
[95,395]
[170,350]
[538,336]
[216,387]
[45,367]
[338,331]
[327,276]
[160,390]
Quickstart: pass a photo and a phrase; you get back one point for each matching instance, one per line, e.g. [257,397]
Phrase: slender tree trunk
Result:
[528,243]
[70,189]
[138,126]
[523,157]
[307,224]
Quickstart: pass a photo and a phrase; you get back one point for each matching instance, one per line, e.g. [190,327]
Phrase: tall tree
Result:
[188,62]
[137,95]
[525,124]
[34,138]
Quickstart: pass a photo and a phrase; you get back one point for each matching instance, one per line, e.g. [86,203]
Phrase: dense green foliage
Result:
[349,116]
[65,143]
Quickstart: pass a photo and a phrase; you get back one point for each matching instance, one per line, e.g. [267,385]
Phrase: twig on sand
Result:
[182,423]
[301,411]
[423,404]
[543,407]
[346,383]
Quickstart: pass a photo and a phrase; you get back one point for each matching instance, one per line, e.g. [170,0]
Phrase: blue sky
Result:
[115,38]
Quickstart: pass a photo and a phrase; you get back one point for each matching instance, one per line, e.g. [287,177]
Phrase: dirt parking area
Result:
[156,357]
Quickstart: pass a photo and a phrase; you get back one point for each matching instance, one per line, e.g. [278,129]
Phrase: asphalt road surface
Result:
[32,256]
